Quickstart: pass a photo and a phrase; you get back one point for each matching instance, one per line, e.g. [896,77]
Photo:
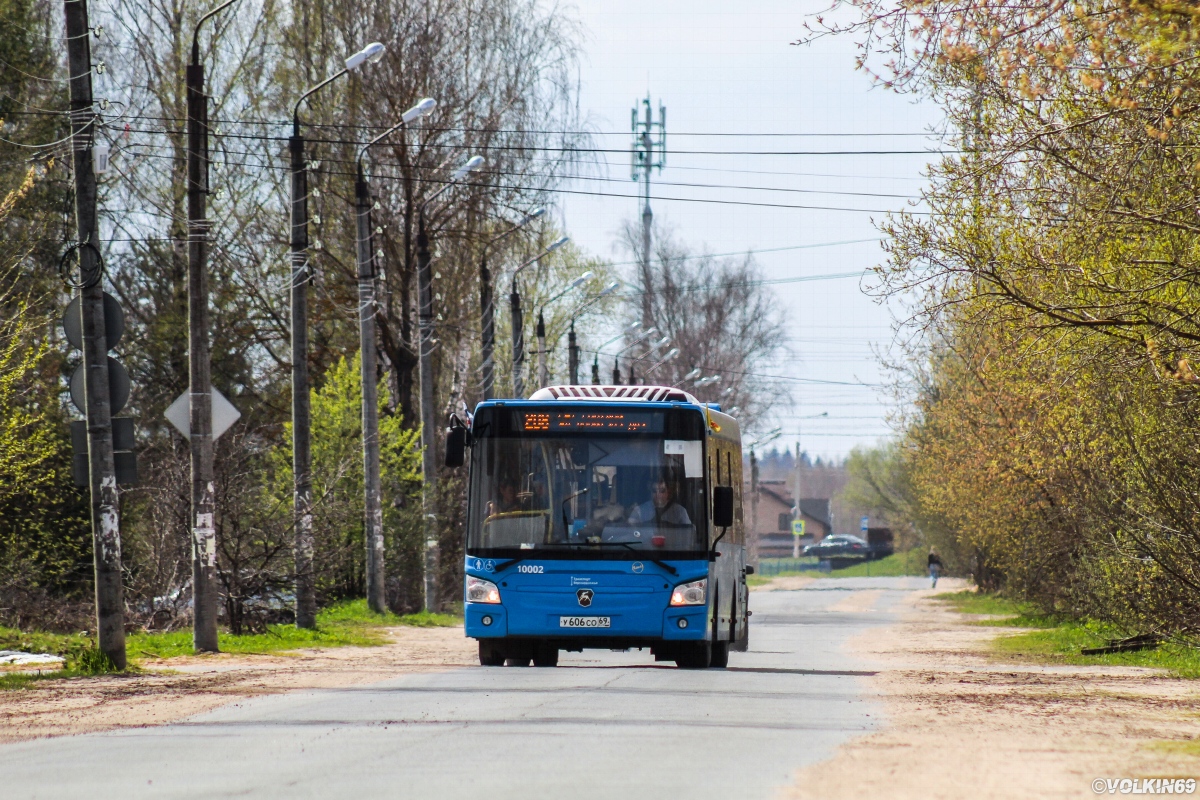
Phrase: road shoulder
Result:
[962,723]
[172,689]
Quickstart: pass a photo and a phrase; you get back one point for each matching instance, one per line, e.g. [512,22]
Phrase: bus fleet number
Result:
[530,568]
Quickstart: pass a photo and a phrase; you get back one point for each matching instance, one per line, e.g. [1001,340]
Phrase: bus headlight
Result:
[690,594]
[481,591]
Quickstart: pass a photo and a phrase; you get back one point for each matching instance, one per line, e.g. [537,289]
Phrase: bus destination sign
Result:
[591,421]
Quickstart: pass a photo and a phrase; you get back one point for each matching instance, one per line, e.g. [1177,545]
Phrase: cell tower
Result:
[648,153]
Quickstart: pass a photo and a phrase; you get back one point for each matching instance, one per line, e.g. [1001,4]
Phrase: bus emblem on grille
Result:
[585,597]
[637,566]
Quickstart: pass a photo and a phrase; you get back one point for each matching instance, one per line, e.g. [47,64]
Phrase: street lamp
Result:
[487,307]
[518,321]
[200,440]
[306,599]
[573,348]
[617,356]
[672,353]
[543,369]
[630,328]
[425,365]
[372,505]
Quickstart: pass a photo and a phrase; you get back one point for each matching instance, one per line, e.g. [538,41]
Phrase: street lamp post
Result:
[630,328]
[367,309]
[518,320]
[425,320]
[306,599]
[200,440]
[543,367]
[487,309]
[572,344]
[617,358]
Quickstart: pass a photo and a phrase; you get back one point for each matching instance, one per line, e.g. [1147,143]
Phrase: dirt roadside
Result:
[962,724]
[172,689]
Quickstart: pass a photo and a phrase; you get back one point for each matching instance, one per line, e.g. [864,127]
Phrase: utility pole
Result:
[799,513]
[425,342]
[200,438]
[572,356]
[367,309]
[649,152]
[306,590]
[102,478]
[429,506]
[306,598]
[518,320]
[543,367]
[373,505]
[752,556]
[518,341]
[487,308]
[487,326]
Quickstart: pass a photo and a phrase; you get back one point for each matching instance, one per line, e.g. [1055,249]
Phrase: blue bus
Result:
[603,517]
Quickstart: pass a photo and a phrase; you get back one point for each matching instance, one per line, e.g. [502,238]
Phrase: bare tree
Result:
[721,318]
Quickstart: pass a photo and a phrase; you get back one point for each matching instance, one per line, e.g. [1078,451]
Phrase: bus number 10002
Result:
[530,568]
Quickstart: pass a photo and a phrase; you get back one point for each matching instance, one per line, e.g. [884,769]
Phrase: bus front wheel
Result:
[694,655]
[720,655]
[545,655]
[490,655]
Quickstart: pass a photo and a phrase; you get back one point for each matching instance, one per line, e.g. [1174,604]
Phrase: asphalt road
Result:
[601,725]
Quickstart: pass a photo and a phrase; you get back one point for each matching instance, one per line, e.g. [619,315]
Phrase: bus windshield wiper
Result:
[627,545]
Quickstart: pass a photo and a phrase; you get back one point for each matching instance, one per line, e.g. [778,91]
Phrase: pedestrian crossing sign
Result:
[797,527]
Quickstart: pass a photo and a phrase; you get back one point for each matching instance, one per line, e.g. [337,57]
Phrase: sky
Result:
[729,69]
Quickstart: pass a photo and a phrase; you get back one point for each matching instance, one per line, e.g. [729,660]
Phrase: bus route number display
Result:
[607,421]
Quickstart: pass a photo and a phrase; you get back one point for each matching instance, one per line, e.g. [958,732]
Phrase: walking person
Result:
[935,566]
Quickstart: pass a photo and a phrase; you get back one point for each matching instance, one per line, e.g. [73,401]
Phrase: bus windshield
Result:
[572,491]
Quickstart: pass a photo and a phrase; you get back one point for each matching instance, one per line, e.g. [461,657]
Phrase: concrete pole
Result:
[487,310]
[105,500]
[306,598]
[573,356]
[372,503]
[204,536]
[428,430]
[799,513]
[518,342]
[752,556]
[543,367]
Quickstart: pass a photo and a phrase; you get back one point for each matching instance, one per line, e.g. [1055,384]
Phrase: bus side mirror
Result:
[722,506]
[456,446]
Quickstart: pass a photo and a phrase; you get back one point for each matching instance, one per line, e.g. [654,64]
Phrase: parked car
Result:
[839,544]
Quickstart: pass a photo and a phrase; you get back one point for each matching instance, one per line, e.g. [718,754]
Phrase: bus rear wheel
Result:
[490,655]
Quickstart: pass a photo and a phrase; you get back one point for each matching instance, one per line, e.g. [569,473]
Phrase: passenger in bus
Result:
[661,508]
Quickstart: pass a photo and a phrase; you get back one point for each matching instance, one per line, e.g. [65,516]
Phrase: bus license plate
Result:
[584,622]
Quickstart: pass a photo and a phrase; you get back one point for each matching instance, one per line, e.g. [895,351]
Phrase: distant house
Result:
[769,523]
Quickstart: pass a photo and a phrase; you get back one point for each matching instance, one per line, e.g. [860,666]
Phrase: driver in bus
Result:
[661,508]
[508,500]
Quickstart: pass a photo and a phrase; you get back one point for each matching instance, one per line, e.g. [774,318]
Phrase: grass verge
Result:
[344,624]
[1056,640]
[910,562]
